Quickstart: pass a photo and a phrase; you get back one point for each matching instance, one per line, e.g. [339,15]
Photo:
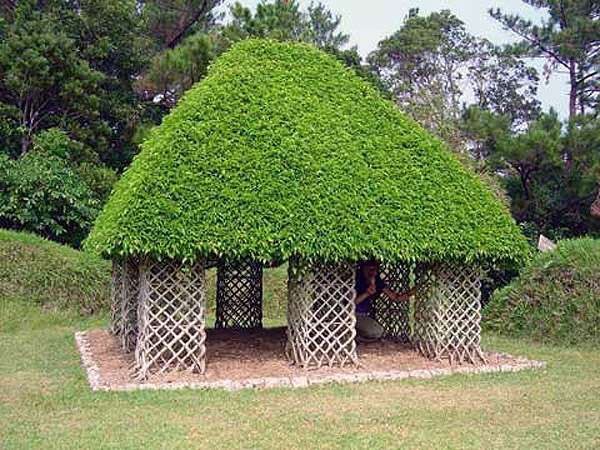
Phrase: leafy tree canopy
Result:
[569,40]
[44,80]
[430,62]
[545,195]
[72,65]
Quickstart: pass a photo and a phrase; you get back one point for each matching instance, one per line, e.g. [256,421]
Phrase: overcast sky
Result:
[368,22]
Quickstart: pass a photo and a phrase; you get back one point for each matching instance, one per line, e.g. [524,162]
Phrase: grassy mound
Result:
[35,271]
[555,299]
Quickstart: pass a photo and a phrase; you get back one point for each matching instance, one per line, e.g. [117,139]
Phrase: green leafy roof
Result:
[281,150]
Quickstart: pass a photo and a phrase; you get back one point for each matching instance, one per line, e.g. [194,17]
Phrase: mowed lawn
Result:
[45,402]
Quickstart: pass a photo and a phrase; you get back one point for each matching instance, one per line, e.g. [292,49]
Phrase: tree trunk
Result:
[25,142]
[572,107]
[573,90]
[524,177]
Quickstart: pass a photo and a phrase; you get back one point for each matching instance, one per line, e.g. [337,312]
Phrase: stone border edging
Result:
[87,361]
[93,375]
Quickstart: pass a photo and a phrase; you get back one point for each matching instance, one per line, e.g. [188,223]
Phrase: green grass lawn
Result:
[45,402]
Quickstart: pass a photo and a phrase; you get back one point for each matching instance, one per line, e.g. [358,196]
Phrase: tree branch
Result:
[207,5]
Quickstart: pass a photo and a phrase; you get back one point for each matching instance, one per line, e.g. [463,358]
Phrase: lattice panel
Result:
[116,291]
[394,316]
[172,335]
[424,336]
[239,294]
[448,312]
[130,295]
[321,320]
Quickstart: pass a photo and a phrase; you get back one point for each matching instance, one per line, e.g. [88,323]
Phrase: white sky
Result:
[368,22]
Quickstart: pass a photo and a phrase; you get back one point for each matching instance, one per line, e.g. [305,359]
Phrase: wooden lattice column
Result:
[239,294]
[116,292]
[448,312]
[172,307]
[394,316]
[321,320]
[130,295]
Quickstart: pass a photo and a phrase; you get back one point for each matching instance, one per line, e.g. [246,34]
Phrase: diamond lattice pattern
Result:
[130,295]
[172,308]
[394,316]
[239,294]
[321,319]
[448,312]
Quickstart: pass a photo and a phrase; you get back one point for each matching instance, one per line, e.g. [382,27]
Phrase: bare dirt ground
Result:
[243,355]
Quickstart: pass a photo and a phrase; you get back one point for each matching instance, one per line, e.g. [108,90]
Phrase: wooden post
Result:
[448,312]
[171,317]
[321,319]
[130,295]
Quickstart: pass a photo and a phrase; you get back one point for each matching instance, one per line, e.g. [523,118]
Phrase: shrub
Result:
[99,179]
[55,142]
[80,158]
[555,299]
[42,194]
[11,132]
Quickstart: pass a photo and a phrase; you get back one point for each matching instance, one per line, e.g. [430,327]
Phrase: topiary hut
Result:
[282,153]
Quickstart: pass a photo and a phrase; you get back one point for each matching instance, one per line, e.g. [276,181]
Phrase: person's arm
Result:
[363,296]
[397,296]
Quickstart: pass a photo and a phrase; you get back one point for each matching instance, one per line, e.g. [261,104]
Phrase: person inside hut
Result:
[369,286]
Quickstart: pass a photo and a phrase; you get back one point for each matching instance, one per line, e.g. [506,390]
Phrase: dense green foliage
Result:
[549,192]
[44,81]
[555,299]
[37,272]
[55,190]
[101,74]
[268,158]
[66,111]
[72,66]
[42,194]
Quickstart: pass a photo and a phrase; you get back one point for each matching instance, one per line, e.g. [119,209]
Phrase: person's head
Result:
[370,267]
